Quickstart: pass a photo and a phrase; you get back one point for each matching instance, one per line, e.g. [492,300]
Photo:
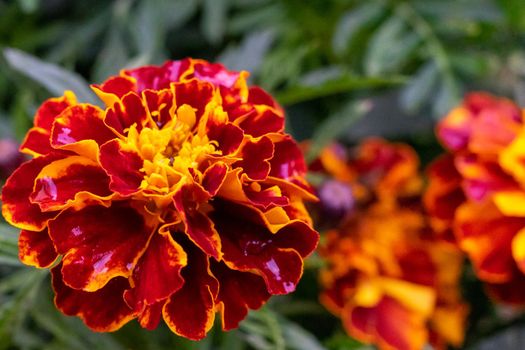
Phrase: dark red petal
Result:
[51,108]
[215,73]
[510,292]
[118,86]
[265,120]
[123,165]
[157,78]
[388,324]
[238,292]
[214,177]
[190,312]
[157,274]
[78,123]
[258,96]
[36,249]
[103,310]
[255,156]
[198,226]
[159,105]
[16,207]
[73,181]
[99,243]
[194,93]
[130,111]
[228,136]
[266,198]
[288,161]
[151,316]
[36,142]
[251,247]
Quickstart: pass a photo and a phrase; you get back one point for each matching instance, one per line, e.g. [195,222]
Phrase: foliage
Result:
[342,68]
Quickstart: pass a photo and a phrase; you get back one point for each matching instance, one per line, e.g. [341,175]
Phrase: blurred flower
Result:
[390,279]
[184,197]
[476,193]
[10,157]
[336,199]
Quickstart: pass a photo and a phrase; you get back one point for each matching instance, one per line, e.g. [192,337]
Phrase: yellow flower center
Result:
[173,153]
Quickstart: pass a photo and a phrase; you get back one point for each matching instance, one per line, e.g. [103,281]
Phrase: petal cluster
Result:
[476,194]
[182,198]
[388,276]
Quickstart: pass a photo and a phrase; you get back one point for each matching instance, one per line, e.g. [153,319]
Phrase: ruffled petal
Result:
[16,207]
[36,249]
[198,226]
[486,235]
[36,142]
[195,93]
[190,312]
[103,310]
[130,110]
[70,182]
[157,274]
[157,78]
[99,243]
[251,247]
[389,324]
[238,293]
[122,163]
[81,129]
[255,156]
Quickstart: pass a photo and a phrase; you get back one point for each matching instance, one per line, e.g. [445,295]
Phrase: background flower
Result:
[476,190]
[389,277]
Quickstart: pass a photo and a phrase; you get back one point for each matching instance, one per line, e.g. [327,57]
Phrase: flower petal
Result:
[36,249]
[198,226]
[16,207]
[81,129]
[486,235]
[158,272]
[251,247]
[122,164]
[238,293]
[36,142]
[157,78]
[389,324]
[191,310]
[99,243]
[195,93]
[103,310]
[130,110]
[255,156]
[70,182]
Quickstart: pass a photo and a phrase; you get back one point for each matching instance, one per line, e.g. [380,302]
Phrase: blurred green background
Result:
[342,69]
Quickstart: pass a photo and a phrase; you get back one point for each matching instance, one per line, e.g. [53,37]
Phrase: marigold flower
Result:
[183,198]
[477,191]
[390,279]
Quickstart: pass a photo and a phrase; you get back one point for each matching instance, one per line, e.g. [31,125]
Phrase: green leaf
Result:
[13,313]
[351,22]
[55,79]
[447,97]
[213,23]
[336,125]
[390,47]
[418,89]
[299,339]
[342,84]
[249,54]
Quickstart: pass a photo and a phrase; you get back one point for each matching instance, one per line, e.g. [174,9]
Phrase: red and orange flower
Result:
[182,198]
[388,276]
[477,190]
